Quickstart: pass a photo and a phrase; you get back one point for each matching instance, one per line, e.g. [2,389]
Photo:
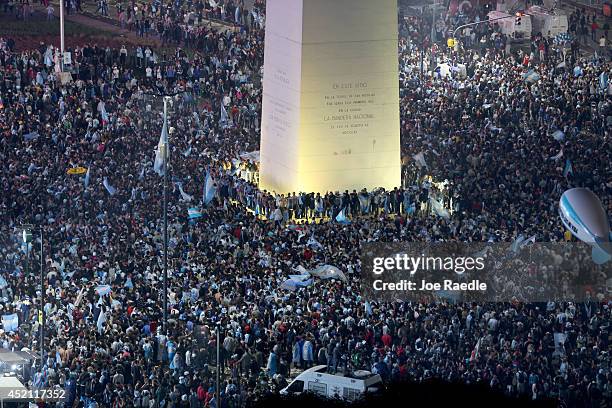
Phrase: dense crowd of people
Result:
[483,150]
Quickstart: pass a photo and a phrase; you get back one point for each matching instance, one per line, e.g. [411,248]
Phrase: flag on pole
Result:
[603,80]
[162,151]
[521,242]
[568,168]
[517,243]
[101,321]
[439,208]
[184,195]
[476,351]
[87,177]
[111,190]
[224,117]
[210,189]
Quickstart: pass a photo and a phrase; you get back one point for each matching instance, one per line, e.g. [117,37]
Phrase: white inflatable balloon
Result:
[582,213]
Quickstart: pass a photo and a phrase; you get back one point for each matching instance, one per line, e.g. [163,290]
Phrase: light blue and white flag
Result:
[578,71]
[531,76]
[111,190]
[101,322]
[25,248]
[31,136]
[410,208]
[364,202]
[163,150]
[557,156]
[31,168]
[341,218]
[142,174]
[224,117]
[194,213]
[521,242]
[516,245]
[87,177]
[368,308]
[295,282]
[187,152]
[184,195]
[568,169]
[104,114]
[210,189]
[558,135]
[10,322]
[603,81]
[439,208]
[419,159]
[103,290]
[312,242]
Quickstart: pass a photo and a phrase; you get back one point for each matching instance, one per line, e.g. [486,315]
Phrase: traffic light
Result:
[517,20]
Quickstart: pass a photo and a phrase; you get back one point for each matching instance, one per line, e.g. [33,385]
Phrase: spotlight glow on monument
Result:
[330,117]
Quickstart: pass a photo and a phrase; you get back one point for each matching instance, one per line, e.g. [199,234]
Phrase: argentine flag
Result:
[341,218]
[439,208]
[364,202]
[210,189]
[194,213]
[103,290]
[184,195]
[163,150]
[225,120]
[10,322]
[87,176]
[104,114]
[111,190]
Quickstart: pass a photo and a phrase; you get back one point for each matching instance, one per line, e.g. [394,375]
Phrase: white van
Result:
[546,22]
[349,388]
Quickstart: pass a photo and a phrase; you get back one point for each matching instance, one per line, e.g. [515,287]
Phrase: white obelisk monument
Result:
[330,119]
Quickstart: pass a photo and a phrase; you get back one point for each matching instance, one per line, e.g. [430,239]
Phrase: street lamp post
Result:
[165,155]
[27,238]
[164,147]
[218,374]
[42,298]
[61,12]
